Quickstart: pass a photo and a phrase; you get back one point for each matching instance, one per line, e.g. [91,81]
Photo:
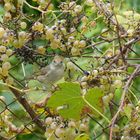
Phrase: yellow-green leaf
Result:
[67,100]
[94,97]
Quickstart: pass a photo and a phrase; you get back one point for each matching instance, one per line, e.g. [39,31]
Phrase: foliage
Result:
[69,69]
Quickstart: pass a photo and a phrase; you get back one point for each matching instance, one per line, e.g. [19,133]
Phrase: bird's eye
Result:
[54,61]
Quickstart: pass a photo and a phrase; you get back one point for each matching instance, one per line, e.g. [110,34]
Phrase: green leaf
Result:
[94,97]
[67,100]
[118,93]
[82,137]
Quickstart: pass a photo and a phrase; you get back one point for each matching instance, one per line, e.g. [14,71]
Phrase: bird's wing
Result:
[43,71]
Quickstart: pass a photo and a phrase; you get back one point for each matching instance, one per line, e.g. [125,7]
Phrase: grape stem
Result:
[95,109]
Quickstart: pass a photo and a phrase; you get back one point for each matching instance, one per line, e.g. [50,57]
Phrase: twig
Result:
[122,100]
[108,14]
[28,108]
[126,46]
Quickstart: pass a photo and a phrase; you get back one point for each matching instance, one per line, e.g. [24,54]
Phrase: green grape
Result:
[23,25]
[48,120]
[82,44]
[89,2]
[2,32]
[53,125]
[75,51]
[59,132]
[7,16]
[4,57]
[6,66]
[9,80]
[7,6]
[2,49]
[9,52]
[78,9]
[72,124]
[83,127]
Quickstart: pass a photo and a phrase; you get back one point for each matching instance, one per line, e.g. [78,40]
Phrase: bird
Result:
[53,72]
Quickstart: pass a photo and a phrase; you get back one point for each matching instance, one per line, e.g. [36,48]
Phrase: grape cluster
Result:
[132,129]
[5,53]
[108,81]
[8,126]
[62,129]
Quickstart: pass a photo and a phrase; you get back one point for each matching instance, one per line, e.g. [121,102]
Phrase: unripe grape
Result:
[63,30]
[84,84]
[93,24]
[84,28]
[89,2]
[78,9]
[9,80]
[41,50]
[54,45]
[22,35]
[7,6]
[130,32]
[117,52]
[72,4]
[6,66]
[84,78]
[53,126]
[72,124]
[76,43]
[75,51]
[120,62]
[110,95]
[4,57]
[82,44]
[95,72]
[23,25]
[49,34]
[59,132]
[82,127]
[71,39]
[2,49]
[118,83]
[9,52]
[84,19]
[5,72]
[48,120]
[109,53]
[56,41]
[7,16]
[37,27]
[2,32]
